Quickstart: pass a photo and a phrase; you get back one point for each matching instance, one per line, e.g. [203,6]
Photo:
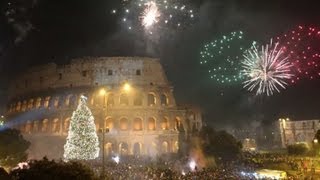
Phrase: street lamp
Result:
[104,129]
[315,141]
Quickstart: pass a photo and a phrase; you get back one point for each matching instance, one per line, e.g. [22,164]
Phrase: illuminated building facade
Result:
[138,107]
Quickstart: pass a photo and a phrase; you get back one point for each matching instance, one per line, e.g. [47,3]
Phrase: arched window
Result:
[66,125]
[38,102]
[178,123]
[24,105]
[72,100]
[176,146]
[56,125]
[137,149]
[108,149]
[151,124]
[164,100]
[110,101]
[30,104]
[61,101]
[165,123]
[44,125]
[46,102]
[137,99]
[137,124]
[18,108]
[124,124]
[124,100]
[123,149]
[56,102]
[28,128]
[35,126]
[109,123]
[151,99]
[164,147]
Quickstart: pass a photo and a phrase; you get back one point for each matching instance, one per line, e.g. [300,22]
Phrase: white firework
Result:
[267,70]
[150,15]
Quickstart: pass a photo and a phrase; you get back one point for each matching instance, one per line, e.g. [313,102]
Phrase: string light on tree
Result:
[222,57]
[82,140]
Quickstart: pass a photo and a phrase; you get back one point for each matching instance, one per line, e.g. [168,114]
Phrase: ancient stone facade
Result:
[297,131]
[141,118]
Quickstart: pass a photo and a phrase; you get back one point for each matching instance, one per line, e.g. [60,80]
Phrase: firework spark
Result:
[267,70]
[150,15]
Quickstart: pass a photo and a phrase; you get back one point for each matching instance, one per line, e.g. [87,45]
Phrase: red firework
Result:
[302,45]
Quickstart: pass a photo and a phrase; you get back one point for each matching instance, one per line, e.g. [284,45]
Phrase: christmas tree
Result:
[82,141]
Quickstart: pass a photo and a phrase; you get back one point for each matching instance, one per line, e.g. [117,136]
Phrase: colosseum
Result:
[138,109]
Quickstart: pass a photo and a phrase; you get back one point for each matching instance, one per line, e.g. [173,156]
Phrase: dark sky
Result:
[42,31]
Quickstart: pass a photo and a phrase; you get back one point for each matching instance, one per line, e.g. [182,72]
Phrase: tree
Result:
[13,147]
[45,169]
[82,141]
[221,144]
[297,149]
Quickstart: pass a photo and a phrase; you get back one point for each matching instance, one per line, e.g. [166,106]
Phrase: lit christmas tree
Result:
[82,141]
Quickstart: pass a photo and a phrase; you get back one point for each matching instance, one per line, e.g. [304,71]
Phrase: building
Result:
[138,107]
[302,131]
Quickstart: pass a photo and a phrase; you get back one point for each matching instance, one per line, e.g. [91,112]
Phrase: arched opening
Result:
[165,123]
[38,102]
[164,100]
[24,105]
[123,124]
[35,126]
[66,125]
[46,102]
[124,100]
[176,146]
[97,126]
[30,104]
[18,108]
[109,124]
[44,125]
[178,124]
[56,125]
[151,99]
[151,124]
[56,102]
[137,149]
[164,147]
[123,149]
[51,103]
[138,99]
[110,101]
[28,127]
[137,124]
[61,102]
[108,149]
[152,149]
[72,100]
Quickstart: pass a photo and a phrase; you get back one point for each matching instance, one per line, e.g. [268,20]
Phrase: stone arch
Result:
[28,127]
[138,99]
[35,126]
[137,124]
[108,149]
[164,147]
[152,124]
[56,102]
[152,149]
[178,123]
[109,123]
[61,101]
[46,102]
[66,125]
[30,104]
[38,103]
[176,146]
[124,99]
[24,105]
[110,101]
[73,100]
[165,123]
[124,124]
[164,99]
[55,125]
[137,147]
[18,107]
[44,125]
[124,148]
[152,99]
[97,124]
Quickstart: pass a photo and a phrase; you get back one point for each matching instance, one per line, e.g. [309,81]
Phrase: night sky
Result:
[43,31]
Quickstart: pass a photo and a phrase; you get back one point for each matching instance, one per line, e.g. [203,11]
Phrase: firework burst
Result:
[150,15]
[267,70]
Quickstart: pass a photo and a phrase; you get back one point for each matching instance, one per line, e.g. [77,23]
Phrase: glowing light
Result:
[116,159]
[127,87]
[150,15]
[102,92]
[267,70]
[192,165]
